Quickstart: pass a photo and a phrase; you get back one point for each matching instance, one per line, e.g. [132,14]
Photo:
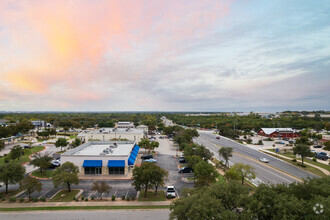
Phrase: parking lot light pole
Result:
[194,162]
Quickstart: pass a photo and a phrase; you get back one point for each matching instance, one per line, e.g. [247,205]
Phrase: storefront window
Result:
[116,170]
[93,170]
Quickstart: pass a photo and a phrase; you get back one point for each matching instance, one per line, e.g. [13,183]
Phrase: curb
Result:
[32,155]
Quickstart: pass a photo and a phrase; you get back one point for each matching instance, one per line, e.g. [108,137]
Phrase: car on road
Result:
[218,137]
[185,170]
[182,160]
[317,146]
[322,156]
[265,160]
[146,157]
[151,160]
[170,192]
[280,142]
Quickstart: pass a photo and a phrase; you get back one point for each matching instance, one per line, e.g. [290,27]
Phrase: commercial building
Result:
[104,158]
[278,133]
[124,124]
[111,134]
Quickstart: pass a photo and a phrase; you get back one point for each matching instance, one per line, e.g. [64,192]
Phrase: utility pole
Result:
[194,162]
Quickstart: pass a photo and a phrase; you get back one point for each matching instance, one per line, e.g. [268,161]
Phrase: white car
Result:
[170,191]
[44,142]
[265,160]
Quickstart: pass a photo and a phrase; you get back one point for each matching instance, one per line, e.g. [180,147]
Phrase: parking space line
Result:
[43,194]
[91,194]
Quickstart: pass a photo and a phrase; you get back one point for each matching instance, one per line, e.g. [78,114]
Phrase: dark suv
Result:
[321,155]
[146,157]
[317,146]
[186,170]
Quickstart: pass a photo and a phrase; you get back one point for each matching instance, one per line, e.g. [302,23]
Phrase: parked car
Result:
[321,156]
[218,137]
[151,160]
[265,160]
[146,157]
[280,142]
[27,147]
[170,191]
[44,142]
[317,146]
[286,139]
[55,163]
[182,160]
[314,151]
[185,170]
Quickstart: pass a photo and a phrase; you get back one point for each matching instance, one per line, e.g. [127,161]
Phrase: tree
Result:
[61,142]
[218,201]
[11,173]
[43,161]
[30,185]
[153,145]
[199,150]
[101,187]
[225,153]
[302,150]
[205,174]
[66,129]
[240,171]
[326,145]
[144,143]
[76,142]
[160,176]
[2,145]
[16,152]
[148,175]
[193,160]
[66,175]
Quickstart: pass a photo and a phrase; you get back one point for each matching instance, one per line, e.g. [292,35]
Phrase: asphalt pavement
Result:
[266,173]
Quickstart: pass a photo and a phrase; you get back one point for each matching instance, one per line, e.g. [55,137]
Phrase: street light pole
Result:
[194,162]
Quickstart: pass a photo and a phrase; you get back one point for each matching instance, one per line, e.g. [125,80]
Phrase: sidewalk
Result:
[312,165]
[82,203]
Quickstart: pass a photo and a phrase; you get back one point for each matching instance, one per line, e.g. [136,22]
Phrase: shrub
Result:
[314,159]
[3,199]
[6,160]
[294,160]
[12,199]
[74,198]
[92,198]
[77,200]
[82,198]
[43,199]
[133,197]
[260,142]
[86,199]
[35,199]
[169,196]
[123,197]
[113,197]
[21,199]
[128,198]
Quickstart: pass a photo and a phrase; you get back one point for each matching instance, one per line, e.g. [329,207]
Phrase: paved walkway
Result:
[82,203]
[312,165]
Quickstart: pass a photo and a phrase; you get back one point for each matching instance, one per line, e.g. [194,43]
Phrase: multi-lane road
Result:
[277,171]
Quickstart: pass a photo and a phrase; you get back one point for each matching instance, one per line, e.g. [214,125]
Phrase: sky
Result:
[181,55]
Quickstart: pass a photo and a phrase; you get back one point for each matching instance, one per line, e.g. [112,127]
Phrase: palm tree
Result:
[225,153]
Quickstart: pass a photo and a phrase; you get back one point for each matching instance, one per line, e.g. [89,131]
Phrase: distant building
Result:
[3,122]
[38,124]
[104,158]
[278,132]
[110,134]
[124,124]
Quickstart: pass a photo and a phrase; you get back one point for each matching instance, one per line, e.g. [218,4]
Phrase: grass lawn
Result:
[10,194]
[44,174]
[85,207]
[152,197]
[307,168]
[324,166]
[25,157]
[68,196]
[220,179]
[73,136]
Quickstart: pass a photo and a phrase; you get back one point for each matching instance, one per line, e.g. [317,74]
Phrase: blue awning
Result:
[116,163]
[137,147]
[131,161]
[136,151]
[92,163]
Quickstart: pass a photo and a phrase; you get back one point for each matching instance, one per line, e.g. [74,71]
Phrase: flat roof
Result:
[103,148]
[113,131]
